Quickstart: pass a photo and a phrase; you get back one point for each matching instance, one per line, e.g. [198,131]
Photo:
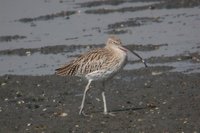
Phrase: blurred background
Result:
[37,36]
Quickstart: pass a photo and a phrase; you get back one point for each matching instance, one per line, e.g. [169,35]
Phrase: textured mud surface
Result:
[38,36]
[11,38]
[168,4]
[48,17]
[153,100]
[72,48]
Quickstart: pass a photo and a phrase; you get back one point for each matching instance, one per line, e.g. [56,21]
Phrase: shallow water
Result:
[178,28]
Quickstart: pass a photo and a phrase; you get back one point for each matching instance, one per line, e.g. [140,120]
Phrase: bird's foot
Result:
[110,113]
[82,113]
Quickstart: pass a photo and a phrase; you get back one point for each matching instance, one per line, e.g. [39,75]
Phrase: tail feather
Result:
[66,70]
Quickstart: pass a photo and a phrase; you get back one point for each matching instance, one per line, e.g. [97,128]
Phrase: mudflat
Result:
[147,100]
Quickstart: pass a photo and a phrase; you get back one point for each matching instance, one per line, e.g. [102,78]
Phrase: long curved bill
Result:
[136,55]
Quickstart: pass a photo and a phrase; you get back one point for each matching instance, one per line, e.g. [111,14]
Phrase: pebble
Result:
[152,111]
[44,109]
[28,53]
[6,99]
[20,102]
[3,84]
[76,125]
[98,99]
[103,122]
[19,94]
[63,114]
[156,73]
[140,103]
[184,122]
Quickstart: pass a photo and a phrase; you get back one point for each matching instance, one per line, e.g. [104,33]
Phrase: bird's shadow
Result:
[126,109]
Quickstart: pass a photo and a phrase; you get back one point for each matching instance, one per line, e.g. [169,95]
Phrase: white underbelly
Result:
[99,75]
[106,73]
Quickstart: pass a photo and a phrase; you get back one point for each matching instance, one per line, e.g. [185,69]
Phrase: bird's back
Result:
[91,61]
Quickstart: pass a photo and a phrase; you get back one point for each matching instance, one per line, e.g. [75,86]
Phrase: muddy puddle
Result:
[38,36]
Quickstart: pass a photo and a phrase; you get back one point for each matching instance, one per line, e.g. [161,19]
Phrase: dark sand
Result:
[147,100]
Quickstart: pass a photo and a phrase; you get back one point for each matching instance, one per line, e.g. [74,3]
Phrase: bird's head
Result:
[115,42]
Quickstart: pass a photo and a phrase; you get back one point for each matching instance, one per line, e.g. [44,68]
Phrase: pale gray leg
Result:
[104,103]
[104,98]
[84,94]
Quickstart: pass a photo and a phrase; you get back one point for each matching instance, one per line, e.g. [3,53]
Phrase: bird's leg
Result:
[104,102]
[84,94]
[104,98]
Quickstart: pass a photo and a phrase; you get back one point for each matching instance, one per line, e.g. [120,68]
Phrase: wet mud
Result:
[47,17]
[154,100]
[9,38]
[117,28]
[72,48]
[110,2]
[165,4]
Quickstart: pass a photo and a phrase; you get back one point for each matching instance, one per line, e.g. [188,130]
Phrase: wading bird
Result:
[98,64]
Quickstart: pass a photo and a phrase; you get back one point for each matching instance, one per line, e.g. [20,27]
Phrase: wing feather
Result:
[91,61]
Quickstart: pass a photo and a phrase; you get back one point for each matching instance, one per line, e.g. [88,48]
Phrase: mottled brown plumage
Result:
[86,63]
[97,64]
[106,58]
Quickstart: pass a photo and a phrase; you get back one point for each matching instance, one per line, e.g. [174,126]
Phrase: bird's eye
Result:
[112,42]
